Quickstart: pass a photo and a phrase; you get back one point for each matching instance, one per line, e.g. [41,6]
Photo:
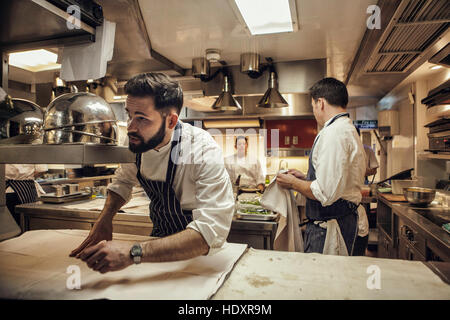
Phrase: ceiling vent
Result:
[415,27]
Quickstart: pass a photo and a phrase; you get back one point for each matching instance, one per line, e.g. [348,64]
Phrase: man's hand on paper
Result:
[107,256]
[102,230]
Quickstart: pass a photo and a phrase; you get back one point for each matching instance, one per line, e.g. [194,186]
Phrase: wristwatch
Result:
[136,253]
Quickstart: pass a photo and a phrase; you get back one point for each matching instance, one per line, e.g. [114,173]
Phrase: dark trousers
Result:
[360,246]
[315,235]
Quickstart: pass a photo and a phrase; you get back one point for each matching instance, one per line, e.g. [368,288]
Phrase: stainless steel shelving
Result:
[83,154]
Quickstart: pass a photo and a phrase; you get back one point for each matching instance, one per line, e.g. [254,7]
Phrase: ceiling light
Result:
[435,67]
[34,60]
[272,98]
[226,101]
[268,16]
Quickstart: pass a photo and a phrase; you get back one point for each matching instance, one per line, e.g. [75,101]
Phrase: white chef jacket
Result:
[339,160]
[249,168]
[201,182]
[24,172]
[371,159]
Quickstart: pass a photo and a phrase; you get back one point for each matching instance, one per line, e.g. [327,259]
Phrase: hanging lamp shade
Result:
[272,98]
[226,101]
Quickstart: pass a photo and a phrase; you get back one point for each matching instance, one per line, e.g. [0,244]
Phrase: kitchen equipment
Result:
[53,198]
[419,196]
[260,217]
[393,197]
[79,117]
[399,185]
[439,135]
[406,174]
[438,95]
[21,122]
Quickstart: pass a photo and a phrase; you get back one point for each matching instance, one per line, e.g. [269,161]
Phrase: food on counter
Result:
[254,211]
[253,202]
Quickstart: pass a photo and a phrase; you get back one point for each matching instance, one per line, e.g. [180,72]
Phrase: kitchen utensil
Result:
[21,122]
[79,117]
[399,185]
[399,176]
[419,196]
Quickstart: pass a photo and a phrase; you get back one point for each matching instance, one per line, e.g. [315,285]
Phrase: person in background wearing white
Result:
[335,175]
[362,240]
[181,169]
[248,168]
[21,186]
[371,161]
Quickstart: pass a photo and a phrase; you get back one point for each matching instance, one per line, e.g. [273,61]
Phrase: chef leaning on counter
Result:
[181,169]
[243,168]
[336,170]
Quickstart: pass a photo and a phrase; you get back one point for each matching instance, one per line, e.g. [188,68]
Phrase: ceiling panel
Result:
[182,30]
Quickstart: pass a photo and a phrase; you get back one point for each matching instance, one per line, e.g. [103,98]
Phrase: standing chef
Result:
[181,169]
[243,168]
[336,169]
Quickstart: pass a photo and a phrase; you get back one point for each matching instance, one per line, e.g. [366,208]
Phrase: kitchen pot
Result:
[79,117]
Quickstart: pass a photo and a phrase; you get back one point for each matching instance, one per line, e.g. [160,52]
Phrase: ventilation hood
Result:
[412,31]
[294,80]
[133,52]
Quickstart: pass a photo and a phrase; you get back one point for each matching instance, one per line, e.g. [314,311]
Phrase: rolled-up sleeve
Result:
[124,180]
[214,196]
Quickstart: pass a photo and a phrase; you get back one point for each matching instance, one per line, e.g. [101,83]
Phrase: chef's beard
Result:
[151,143]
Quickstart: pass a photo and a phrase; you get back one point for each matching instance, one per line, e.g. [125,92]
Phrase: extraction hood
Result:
[294,80]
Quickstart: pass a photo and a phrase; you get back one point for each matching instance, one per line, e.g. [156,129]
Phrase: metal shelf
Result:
[83,154]
[433,156]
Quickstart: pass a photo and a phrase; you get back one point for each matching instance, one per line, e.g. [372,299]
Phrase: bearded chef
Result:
[181,169]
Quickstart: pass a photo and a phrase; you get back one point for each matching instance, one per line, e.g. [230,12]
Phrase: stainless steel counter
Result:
[257,234]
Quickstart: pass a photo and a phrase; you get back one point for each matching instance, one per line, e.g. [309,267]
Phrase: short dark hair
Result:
[166,92]
[332,90]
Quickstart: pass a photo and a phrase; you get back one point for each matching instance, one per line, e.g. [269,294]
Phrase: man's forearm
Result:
[112,204]
[183,245]
[304,187]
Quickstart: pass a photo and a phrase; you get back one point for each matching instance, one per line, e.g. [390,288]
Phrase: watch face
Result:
[136,250]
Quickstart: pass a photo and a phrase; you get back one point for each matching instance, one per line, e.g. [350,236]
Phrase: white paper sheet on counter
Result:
[35,266]
[98,203]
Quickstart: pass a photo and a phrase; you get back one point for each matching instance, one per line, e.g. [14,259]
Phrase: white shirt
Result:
[249,168]
[371,159]
[339,161]
[201,183]
[24,172]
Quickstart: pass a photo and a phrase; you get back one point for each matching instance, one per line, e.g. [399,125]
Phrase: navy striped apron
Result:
[165,209]
[345,212]
[25,190]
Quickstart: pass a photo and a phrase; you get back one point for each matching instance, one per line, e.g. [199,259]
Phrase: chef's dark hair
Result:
[166,92]
[238,138]
[332,90]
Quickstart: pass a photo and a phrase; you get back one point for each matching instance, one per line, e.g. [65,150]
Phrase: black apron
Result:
[165,209]
[345,212]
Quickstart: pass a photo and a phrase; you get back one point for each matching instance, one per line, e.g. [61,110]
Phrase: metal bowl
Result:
[79,117]
[419,196]
[21,122]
